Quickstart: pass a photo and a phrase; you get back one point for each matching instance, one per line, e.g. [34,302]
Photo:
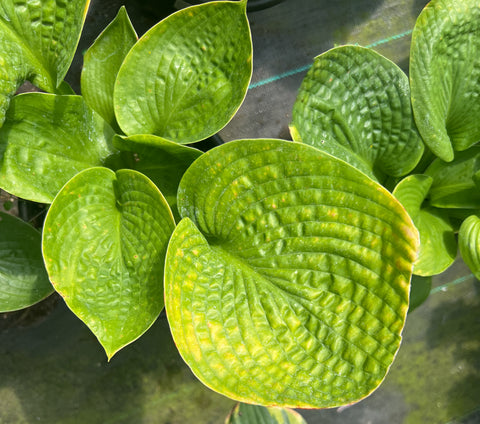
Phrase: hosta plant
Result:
[284,268]
[417,136]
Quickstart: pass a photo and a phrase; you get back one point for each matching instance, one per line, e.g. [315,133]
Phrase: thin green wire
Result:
[306,67]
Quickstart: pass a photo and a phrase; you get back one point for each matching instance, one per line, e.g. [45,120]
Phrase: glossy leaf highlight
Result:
[445,75]
[46,140]
[187,76]
[287,280]
[104,244]
[23,278]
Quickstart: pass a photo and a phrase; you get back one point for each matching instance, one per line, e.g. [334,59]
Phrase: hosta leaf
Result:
[454,182]
[104,244]
[469,243]
[102,62]
[445,75]
[438,246]
[37,42]
[287,280]
[198,62]
[23,279]
[355,104]
[46,140]
[420,291]
[163,161]
[255,414]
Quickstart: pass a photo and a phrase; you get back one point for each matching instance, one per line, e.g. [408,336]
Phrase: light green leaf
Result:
[102,62]
[469,243]
[445,75]
[255,414]
[355,105]
[37,42]
[454,182]
[163,161]
[419,292]
[46,140]
[438,246]
[198,64]
[287,280]
[104,244]
[23,279]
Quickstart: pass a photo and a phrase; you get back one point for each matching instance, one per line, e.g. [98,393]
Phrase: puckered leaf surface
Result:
[188,75]
[104,244]
[355,104]
[37,42]
[445,75]
[287,280]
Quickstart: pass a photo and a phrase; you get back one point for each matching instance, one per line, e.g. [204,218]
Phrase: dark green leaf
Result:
[23,279]
[355,105]
[419,291]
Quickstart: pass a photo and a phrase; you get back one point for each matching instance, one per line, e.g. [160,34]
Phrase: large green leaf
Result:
[188,75]
[453,182]
[23,279]
[37,42]
[102,62]
[46,140]
[445,75]
[438,246]
[355,104]
[255,414]
[163,161]
[287,280]
[104,244]
[469,243]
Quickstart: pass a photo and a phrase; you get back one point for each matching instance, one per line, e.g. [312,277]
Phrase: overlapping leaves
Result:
[285,269]
[445,75]
[187,76]
[355,104]
[37,42]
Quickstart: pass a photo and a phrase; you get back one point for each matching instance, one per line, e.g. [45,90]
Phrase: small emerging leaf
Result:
[355,105]
[23,278]
[102,62]
[287,280]
[469,243]
[104,244]
[454,182]
[438,246]
[46,140]
[188,75]
[445,75]
[255,414]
